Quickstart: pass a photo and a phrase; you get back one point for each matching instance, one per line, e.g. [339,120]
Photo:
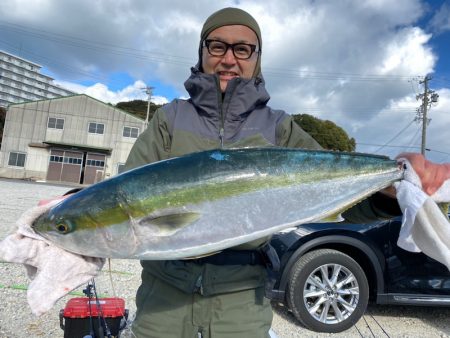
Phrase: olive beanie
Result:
[226,17]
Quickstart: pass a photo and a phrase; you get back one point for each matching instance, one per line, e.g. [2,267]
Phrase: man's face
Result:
[228,66]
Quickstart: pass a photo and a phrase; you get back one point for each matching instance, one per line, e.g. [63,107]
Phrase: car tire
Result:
[331,304]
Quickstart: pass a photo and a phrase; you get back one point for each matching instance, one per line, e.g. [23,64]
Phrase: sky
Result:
[358,63]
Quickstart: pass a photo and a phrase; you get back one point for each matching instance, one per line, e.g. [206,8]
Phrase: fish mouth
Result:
[39,224]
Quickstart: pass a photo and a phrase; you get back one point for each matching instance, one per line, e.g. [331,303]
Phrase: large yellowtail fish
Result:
[212,200]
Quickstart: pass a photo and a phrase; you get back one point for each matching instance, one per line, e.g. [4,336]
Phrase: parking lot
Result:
[16,320]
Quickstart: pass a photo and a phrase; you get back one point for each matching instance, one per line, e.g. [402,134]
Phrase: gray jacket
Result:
[209,120]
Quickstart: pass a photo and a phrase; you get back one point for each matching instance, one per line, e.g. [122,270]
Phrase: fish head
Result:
[49,225]
[56,225]
[87,222]
[68,225]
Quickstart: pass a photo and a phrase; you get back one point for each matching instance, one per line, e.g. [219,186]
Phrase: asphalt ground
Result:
[123,279]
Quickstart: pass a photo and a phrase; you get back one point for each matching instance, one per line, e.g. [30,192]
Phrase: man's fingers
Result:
[432,175]
[53,200]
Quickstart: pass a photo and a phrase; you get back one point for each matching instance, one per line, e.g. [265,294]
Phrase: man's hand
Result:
[52,201]
[431,175]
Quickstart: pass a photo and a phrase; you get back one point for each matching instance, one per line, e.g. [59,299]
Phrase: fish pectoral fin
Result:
[170,223]
[335,218]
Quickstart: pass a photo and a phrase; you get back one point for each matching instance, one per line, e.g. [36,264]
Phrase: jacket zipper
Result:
[222,117]
[199,285]
[222,112]
[221,134]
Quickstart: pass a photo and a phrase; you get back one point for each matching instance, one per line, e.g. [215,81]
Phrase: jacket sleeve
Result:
[373,208]
[289,134]
[153,144]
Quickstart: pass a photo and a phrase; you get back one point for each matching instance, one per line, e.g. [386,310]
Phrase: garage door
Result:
[65,166]
[94,169]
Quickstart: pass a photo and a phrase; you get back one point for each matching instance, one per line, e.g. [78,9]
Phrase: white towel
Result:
[425,228]
[54,272]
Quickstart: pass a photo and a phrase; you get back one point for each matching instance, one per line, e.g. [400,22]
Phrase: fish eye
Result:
[63,227]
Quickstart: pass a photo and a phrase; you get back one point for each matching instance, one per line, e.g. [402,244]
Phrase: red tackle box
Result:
[82,314]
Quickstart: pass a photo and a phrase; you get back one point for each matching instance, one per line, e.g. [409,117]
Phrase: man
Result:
[221,295]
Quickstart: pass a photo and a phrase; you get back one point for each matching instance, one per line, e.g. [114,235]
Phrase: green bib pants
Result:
[165,311]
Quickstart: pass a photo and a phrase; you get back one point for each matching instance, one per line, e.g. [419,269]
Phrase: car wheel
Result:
[327,291]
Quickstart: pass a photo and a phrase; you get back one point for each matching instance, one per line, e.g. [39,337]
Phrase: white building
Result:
[21,81]
[74,139]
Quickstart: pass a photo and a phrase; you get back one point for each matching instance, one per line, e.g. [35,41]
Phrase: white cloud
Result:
[101,92]
[441,20]
[407,53]
[348,61]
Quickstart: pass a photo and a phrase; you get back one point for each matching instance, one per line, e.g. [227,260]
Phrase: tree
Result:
[326,133]
[138,108]
[2,122]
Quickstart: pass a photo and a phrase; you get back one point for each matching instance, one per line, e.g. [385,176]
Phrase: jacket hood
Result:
[247,95]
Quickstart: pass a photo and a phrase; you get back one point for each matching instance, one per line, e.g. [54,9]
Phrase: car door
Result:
[413,273]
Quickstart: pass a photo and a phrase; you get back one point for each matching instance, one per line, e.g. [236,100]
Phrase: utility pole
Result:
[148,91]
[428,97]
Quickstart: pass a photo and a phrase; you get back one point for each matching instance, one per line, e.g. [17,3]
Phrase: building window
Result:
[65,159]
[72,160]
[130,132]
[95,163]
[55,123]
[96,128]
[56,158]
[120,168]
[17,159]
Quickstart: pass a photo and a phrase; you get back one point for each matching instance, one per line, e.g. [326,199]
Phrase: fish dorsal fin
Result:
[170,223]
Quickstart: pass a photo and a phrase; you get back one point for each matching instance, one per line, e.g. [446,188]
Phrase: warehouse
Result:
[75,139]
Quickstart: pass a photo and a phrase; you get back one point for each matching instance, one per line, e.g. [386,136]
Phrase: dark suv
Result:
[329,272]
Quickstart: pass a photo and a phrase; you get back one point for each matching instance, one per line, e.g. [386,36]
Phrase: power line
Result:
[76,114]
[395,136]
[359,110]
[292,73]
[401,146]
[97,45]
[59,111]
[414,88]
[336,75]
[388,146]
[415,137]
[180,60]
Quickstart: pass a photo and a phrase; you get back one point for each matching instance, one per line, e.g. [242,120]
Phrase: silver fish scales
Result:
[209,201]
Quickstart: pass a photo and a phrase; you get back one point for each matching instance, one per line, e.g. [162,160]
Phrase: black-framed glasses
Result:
[241,51]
